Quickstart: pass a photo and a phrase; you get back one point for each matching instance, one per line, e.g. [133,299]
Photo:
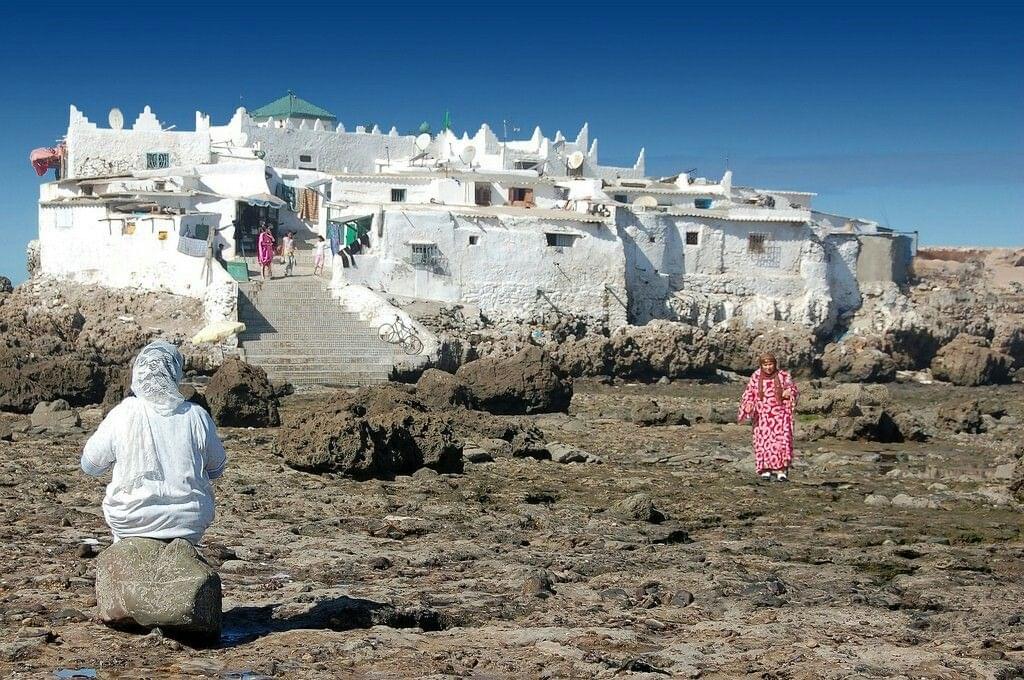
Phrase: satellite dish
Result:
[645,202]
[242,139]
[468,154]
[422,141]
[575,160]
[115,118]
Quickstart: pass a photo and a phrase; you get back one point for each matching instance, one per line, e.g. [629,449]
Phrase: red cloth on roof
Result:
[44,158]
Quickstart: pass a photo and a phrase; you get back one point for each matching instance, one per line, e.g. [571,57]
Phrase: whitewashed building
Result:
[520,229]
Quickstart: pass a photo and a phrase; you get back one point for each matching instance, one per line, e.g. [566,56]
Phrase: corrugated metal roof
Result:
[290,106]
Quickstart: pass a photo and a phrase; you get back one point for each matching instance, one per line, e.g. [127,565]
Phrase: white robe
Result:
[175,498]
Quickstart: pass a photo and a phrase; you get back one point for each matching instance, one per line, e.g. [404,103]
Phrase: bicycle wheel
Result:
[412,345]
[387,333]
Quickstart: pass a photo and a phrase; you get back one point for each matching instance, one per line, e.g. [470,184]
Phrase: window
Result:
[306,162]
[621,198]
[702,203]
[525,165]
[692,238]
[157,160]
[305,158]
[398,195]
[521,196]
[483,193]
[755,242]
[560,240]
[474,239]
[424,254]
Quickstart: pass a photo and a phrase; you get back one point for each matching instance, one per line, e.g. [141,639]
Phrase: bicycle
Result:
[398,333]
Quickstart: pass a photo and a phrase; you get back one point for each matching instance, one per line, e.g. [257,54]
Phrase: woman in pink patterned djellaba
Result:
[768,402]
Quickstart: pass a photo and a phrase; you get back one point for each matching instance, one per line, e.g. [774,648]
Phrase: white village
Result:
[516,230]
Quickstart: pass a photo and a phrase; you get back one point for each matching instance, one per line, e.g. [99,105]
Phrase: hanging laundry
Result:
[309,206]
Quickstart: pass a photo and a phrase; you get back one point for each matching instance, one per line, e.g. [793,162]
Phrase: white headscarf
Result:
[156,374]
[155,377]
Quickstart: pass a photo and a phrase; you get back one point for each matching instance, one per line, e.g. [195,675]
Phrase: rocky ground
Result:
[665,559]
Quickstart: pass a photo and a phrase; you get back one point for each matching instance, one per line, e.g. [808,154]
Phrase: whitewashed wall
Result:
[77,243]
[510,273]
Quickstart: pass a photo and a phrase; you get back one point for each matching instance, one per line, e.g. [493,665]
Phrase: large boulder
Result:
[27,381]
[854,412]
[646,353]
[379,432]
[857,360]
[960,416]
[156,584]
[968,360]
[738,346]
[528,382]
[240,395]
[441,390]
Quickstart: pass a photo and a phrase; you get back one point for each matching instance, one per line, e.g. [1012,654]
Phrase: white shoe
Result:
[766,475]
[782,477]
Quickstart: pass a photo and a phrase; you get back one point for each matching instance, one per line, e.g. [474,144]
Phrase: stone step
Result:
[328,377]
[280,361]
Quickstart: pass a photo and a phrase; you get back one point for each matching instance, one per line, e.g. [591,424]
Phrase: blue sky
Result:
[908,113]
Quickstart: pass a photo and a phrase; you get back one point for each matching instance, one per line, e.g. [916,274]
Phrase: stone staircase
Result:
[299,334]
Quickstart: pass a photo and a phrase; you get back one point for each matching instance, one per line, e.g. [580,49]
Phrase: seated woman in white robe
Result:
[164,452]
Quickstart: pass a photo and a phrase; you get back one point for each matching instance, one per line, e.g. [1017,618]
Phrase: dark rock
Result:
[960,416]
[85,551]
[638,507]
[151,583]
[193,395]
[528,382]
[681,598]
[380,563]
[651,412]
[379,432]
[968,360]
[26,381]
[240,395]
[5,285]
[857,360]
[538,585]
[443,390]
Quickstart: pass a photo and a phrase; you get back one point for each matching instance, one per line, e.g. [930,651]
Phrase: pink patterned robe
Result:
[773,424]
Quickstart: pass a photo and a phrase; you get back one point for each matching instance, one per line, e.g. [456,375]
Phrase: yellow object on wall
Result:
[161,235]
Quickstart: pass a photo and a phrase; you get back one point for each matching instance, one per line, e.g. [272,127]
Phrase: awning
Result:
[264,200]
[296,183]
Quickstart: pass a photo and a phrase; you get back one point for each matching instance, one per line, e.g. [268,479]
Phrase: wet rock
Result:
[968,360]
[857,360]
[55,416]
[240,395]
[439,389]
[638,507]
[528,382]
[151,583]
